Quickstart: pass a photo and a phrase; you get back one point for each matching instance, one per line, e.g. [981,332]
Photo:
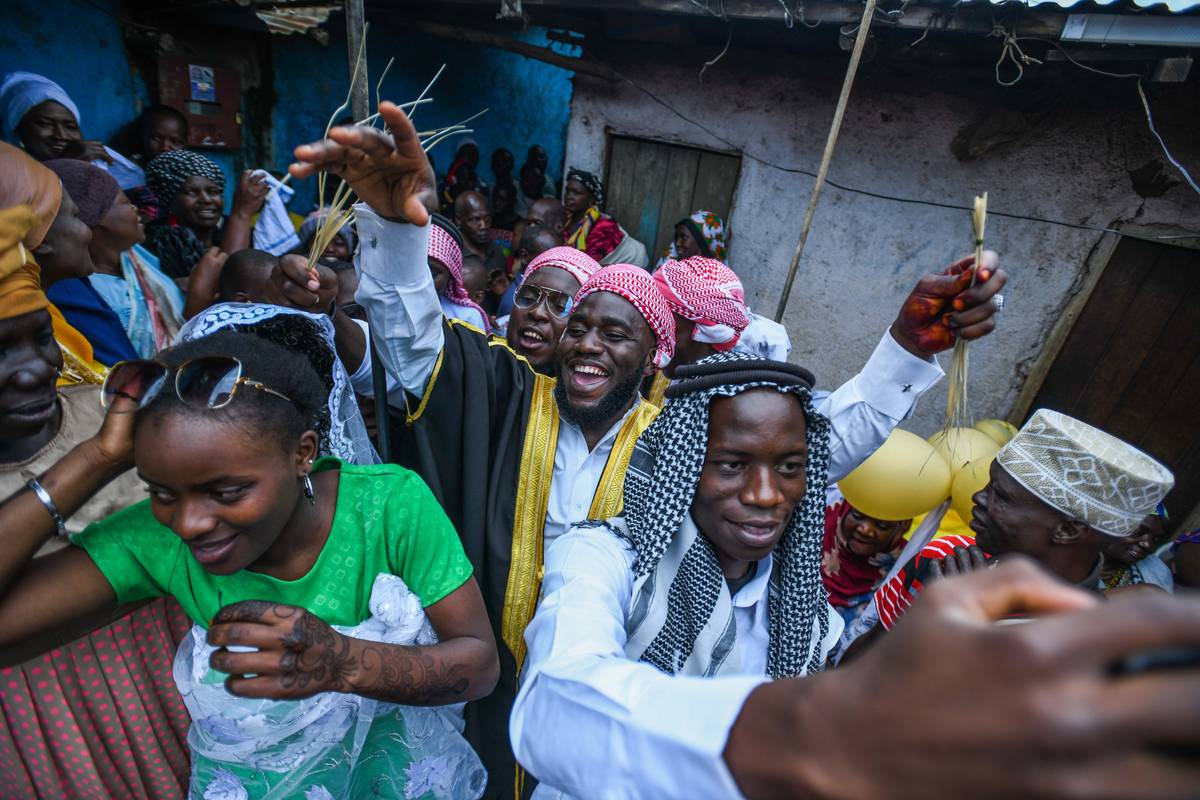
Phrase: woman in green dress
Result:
[338,627]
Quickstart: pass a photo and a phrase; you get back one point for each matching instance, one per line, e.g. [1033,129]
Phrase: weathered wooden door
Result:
[651,186]
[1131,363]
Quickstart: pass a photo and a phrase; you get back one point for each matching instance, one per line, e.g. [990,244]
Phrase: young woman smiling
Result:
[324,594]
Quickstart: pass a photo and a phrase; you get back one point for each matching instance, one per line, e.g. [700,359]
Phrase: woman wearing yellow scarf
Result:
[98,716]
[58,234]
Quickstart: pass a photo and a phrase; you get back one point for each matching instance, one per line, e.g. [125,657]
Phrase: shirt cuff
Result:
[394,253]
[362,379]
[893,378]
[711,707]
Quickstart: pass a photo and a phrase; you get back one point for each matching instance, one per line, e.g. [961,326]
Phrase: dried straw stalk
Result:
[958,410]
[340,213]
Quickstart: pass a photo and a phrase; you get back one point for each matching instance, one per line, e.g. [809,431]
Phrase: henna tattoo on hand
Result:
[925,320]
[253,611]
[411,675]
[314,658]
[317,658]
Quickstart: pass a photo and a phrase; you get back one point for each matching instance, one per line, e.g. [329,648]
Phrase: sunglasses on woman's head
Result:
[208,382]
[559,303]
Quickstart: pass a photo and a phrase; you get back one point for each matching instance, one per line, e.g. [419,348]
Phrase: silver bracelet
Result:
[48,502]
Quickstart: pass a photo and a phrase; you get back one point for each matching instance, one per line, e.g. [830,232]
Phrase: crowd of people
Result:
[620,546]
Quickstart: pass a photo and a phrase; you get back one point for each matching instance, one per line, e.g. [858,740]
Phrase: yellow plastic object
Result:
[967,481]
[951,525]
[999,430]
[901,480]
[959,446]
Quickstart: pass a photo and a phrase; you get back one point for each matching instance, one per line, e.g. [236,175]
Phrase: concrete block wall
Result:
[1076,150]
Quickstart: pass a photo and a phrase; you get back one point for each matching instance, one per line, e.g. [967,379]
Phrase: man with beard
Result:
[1061,492]
[514,455]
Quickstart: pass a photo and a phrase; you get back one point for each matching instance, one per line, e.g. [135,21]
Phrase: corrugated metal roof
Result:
[1174,6]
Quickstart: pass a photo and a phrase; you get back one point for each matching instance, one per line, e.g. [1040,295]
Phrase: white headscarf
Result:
[22,91]
[347,437]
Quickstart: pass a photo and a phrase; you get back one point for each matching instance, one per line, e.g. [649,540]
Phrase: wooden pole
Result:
[360,105]
[855,56]
[512,45]
[360,95]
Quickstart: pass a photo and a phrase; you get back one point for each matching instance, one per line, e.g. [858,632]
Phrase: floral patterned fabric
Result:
[596,234]
[710,233]
[330,746]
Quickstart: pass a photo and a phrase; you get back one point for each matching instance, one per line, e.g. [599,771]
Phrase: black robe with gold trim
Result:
[483,437]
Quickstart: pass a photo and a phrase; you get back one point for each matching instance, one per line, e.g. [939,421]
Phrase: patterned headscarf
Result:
[591,181]
[708,293]
[578,263]
[167,172]
[636,286]
[660,486]
[342,430]
[444,249]
[710,233]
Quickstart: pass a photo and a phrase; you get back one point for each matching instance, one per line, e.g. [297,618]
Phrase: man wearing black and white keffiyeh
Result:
[714,568]
[685,612]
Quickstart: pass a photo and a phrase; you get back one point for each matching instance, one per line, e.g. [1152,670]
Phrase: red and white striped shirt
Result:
[895,596]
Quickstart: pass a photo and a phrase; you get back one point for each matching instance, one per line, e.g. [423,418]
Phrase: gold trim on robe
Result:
[610,492]
[527,566]
[658,389]
[529,519]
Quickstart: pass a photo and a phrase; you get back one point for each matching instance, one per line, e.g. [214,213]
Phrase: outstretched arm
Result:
[248,199]
[950,705]
[940,309]
[298,655]
[393,179]
[38,597]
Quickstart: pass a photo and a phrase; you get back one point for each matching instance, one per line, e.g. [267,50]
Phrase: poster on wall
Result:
[202,86]
[208,95]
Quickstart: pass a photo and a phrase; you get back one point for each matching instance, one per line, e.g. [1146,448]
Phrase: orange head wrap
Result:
[26,182]
[20,280]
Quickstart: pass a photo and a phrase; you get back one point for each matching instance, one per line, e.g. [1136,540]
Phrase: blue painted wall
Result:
[530,101]
[78,45]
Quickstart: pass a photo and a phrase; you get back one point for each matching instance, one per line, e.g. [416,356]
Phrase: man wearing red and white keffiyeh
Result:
[709,305]
[445,262]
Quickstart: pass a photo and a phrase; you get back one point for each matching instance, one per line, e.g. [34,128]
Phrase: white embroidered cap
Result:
[1086,473]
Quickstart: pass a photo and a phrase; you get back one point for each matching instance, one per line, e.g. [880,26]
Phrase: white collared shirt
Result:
[577,473]
[635,732]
